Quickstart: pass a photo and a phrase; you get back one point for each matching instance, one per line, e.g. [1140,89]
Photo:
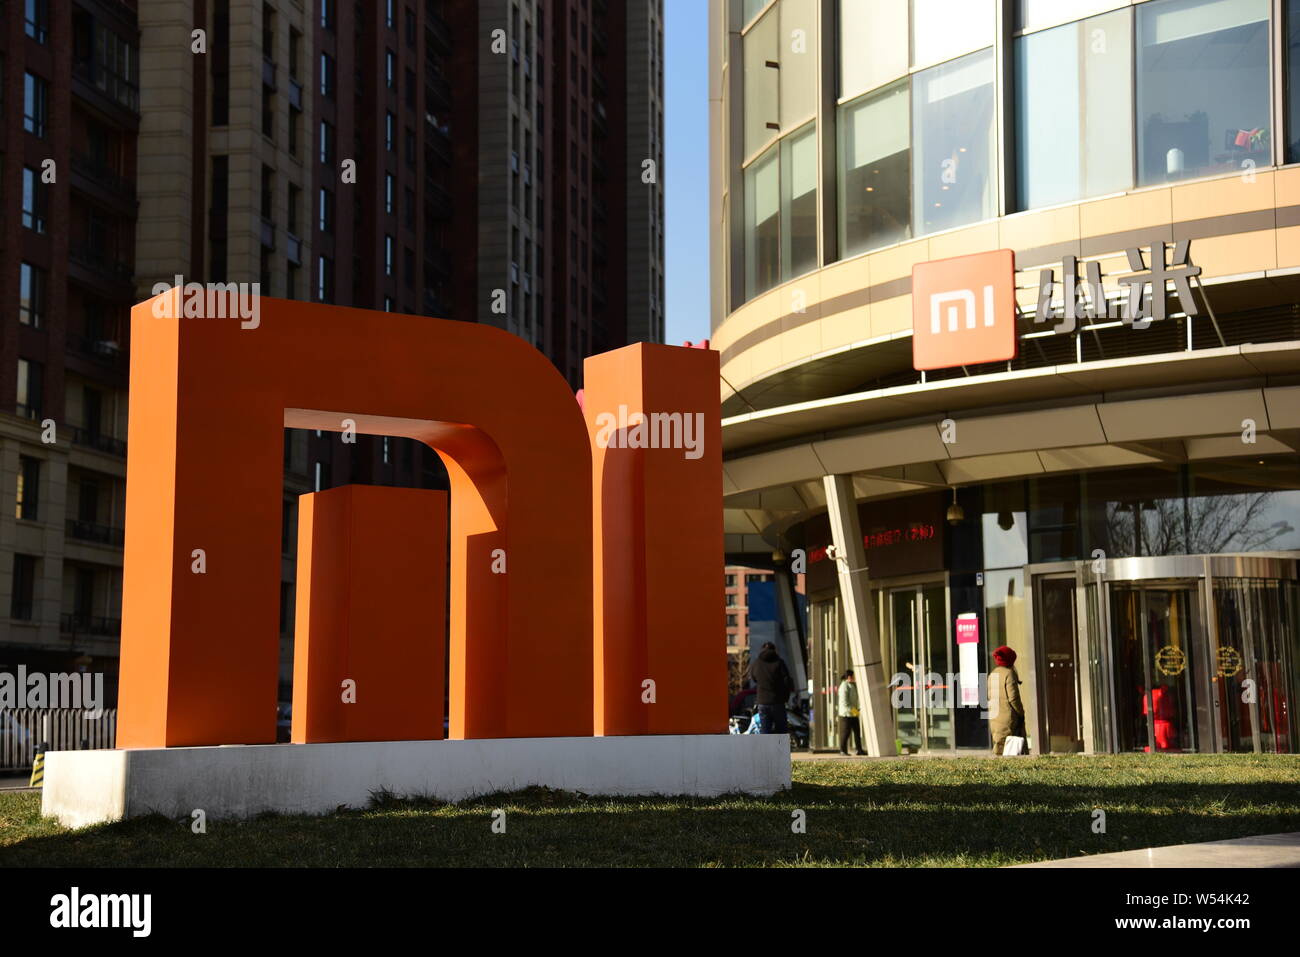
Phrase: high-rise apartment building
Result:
[69,116]
[488,162]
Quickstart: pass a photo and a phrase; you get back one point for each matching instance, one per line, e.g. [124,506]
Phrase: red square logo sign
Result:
[964,310]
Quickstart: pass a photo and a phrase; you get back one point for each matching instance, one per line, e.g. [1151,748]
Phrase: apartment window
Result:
[327,75]
[954,149]
[1067,87]
[326,142]
[291,280]
[410,88]
[388,193]
[268,113]
[35,104]
[295,129]
[389,14]
[220,54]
[1203,104]
[268,194]
[29,488]
[409,211]
[30,389]
[388,255]
[390,131]
[36,19]
[408,256]
[410,147]
[23,594]
[390,69]
[268,31]
[33,201]
[410,28]
[295,53]
[31,295]
[324,279]
[326,210]
[327,12]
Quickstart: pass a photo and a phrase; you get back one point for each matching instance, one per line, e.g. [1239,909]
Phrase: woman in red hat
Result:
[1006,708]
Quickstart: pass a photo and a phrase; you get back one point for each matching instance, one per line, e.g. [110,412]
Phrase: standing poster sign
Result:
[968,638]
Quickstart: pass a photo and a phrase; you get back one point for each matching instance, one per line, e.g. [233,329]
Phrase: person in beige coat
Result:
[1006,707]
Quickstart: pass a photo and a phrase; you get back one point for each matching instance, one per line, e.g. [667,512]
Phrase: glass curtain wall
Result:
[1074,86]
[780,182]
[1202,88]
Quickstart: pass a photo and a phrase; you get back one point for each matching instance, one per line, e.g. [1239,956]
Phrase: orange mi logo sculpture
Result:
[584,575]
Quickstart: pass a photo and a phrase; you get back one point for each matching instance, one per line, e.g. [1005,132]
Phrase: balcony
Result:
[98,441]
[103,85]
[439,142]
[98,534]
[98,172]
[72,623]
[94,258]
[437,89]
[104,351]
[437,201]
[437,264]
[437,35]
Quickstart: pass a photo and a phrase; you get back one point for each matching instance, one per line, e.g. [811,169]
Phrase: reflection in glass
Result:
[943,29]
[1202,88]
[874,173]
[873,44]
[762,224]
[799,203]
[953,176]
[1034,14]
[1069,83]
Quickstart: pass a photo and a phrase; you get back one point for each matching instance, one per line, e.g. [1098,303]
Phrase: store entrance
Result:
[1157,649]
[914,622]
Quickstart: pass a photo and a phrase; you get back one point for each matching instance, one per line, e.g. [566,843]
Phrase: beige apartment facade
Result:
[1119,502]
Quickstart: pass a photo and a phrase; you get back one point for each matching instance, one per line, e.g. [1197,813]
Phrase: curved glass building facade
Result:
[1116,493]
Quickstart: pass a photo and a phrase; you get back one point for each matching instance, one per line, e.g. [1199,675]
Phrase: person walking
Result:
[1006,707]
[848,714]
[775,686]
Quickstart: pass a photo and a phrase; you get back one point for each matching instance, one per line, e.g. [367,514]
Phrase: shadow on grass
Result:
[885,821]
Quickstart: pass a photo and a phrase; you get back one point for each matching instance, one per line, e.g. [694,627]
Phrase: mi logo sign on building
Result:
[964,310]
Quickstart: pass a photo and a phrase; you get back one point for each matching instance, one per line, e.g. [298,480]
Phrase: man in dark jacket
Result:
[775,686]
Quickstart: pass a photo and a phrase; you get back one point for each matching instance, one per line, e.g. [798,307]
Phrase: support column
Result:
[859,616]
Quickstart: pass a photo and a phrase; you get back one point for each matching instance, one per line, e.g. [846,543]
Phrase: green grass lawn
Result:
[907,813]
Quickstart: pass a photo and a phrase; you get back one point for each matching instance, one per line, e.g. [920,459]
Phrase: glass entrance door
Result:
[1057,628]
[915,620]
[1155,636]
[1252,662]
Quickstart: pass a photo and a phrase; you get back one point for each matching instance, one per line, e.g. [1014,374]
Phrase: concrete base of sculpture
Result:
[90,787]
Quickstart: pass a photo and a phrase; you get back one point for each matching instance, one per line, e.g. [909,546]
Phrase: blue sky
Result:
[686,174]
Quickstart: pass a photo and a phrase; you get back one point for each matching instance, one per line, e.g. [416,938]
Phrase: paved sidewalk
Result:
[1265,850]
[15,781]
